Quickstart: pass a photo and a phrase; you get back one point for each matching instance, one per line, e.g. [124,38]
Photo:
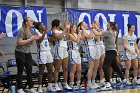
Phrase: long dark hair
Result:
[114,25]
[129,26]
[37,24]
[79,25]
[55,22]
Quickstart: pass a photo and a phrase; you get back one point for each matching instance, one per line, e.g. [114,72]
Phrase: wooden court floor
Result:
[123,91]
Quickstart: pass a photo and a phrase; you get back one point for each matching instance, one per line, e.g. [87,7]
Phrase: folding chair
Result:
[4,79]
[12,69]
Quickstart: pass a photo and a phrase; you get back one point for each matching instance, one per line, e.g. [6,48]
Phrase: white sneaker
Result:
[20,91]
[40,90]
[138,81]
[90,86]
[113,81]
[58,88]
[135,82]
[32,91]
[51,89]
[128,83]
[95,86]
[60,85]
[66,86]
[107,87]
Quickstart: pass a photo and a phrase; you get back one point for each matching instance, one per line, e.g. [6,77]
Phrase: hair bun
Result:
[128,24]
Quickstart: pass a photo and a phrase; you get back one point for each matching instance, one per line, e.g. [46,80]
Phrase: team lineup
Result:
[100,48]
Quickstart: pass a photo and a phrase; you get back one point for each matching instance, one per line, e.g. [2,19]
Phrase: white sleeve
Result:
[38,32]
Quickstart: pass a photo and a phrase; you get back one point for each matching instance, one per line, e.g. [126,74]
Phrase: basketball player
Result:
[74,56]
[61,54]
[44,56]
[131,51]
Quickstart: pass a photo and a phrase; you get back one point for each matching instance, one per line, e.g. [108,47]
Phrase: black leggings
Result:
[110,60]
[23,59]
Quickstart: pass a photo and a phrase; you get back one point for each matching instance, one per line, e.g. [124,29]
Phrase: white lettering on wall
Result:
[103,18]
[8,21]
[31,14]
[39,14]
[125,23]
[112,17]
[82,15]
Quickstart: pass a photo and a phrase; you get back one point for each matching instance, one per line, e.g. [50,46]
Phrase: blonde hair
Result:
[25,27]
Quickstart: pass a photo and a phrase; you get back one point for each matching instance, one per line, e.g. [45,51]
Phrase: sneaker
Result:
[113,81]
[126,83]
[95,85]
[138,81]
[58,88]
[51,89]
[32,91]
[60,85]
[107,87]
[40,90]
[20,91]
[90,86]
[67,87]
[135,82]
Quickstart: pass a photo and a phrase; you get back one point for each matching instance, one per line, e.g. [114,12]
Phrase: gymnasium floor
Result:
[116,89]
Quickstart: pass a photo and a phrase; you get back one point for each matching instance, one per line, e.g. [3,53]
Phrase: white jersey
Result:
[73,45]
[61,43]
[130,41]
[44,45]
[89,42]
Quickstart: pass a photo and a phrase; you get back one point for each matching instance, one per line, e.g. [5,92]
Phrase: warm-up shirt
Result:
[24,48]
[109,38]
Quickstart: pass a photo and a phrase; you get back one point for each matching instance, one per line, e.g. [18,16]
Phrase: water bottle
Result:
[13,89]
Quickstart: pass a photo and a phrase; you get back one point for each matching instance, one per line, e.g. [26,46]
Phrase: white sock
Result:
[93,81]
[49,84]
[135,78]
[56,84]
[78,82]
[101,81]
[65,83]
[89,81]
[127,79]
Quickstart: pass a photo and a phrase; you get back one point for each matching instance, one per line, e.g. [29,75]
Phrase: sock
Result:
[50,84]
[127,79]
[89,81]
[78,82]
[71,84]
[65,83]
[135,78]
[93,81]
[56,84]
[101,81]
